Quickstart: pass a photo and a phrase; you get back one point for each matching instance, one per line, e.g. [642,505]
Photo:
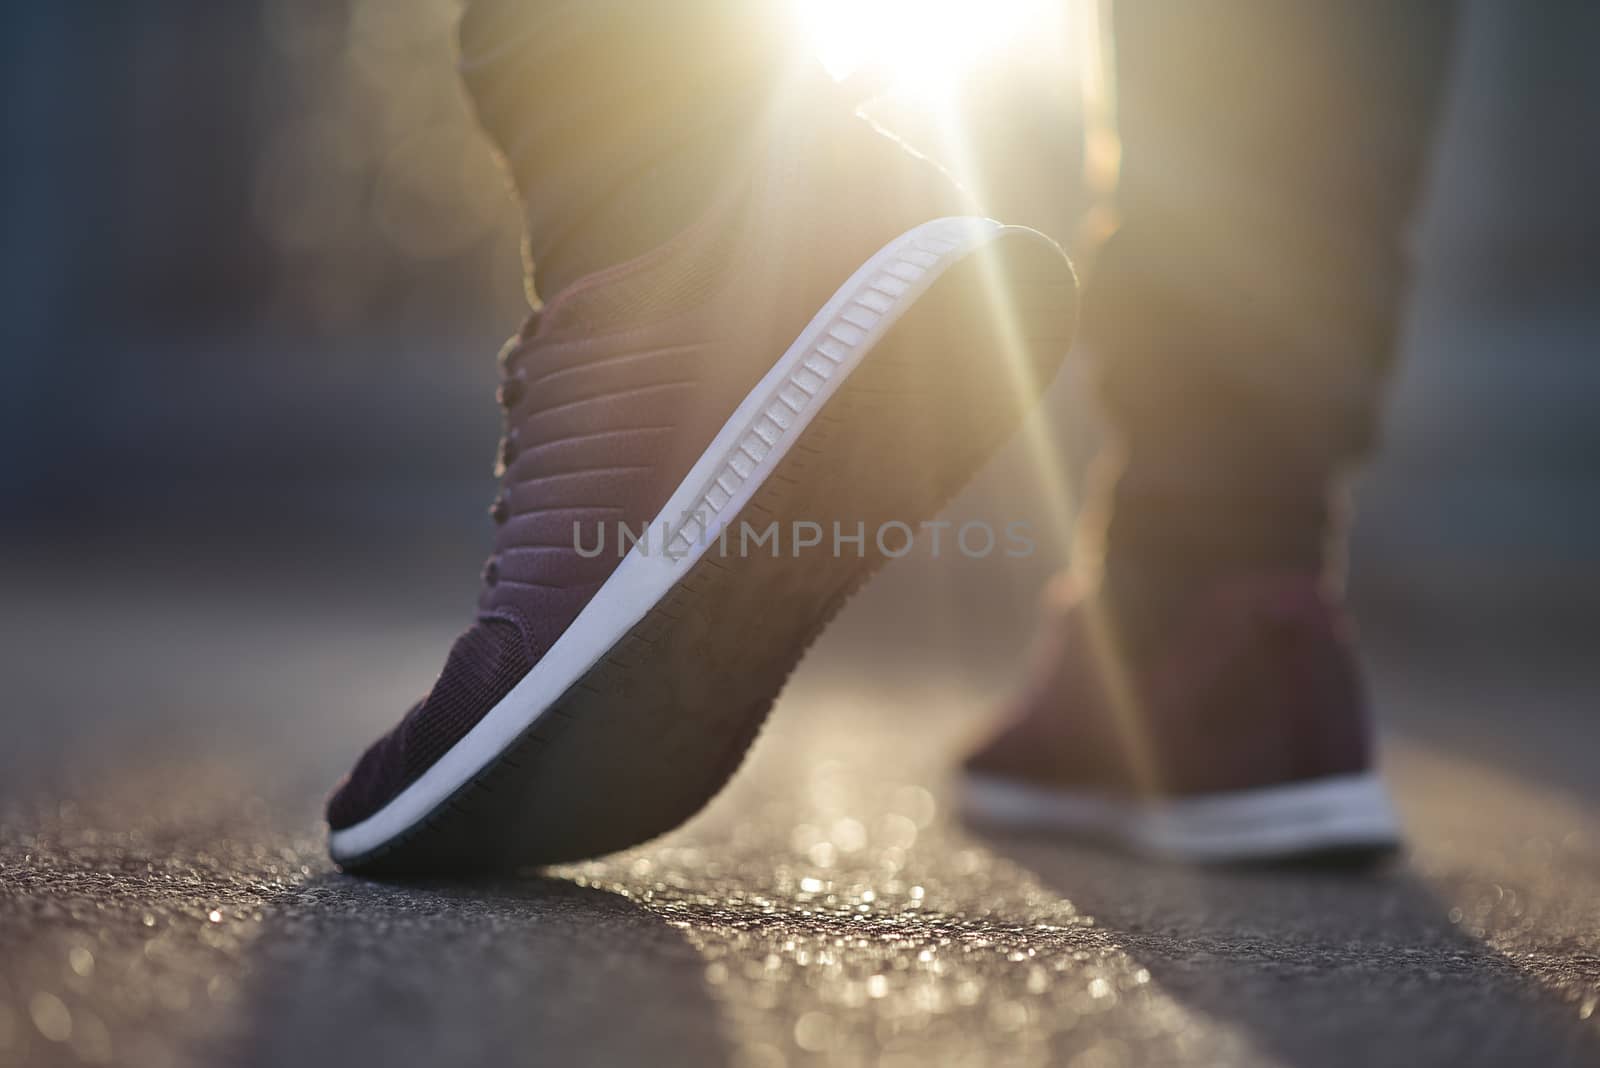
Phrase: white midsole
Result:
[738,461]
[1329,813]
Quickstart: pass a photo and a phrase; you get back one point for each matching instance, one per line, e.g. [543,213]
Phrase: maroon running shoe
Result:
[831,349]
[1241,736]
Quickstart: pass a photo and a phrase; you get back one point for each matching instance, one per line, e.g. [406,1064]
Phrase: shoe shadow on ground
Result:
[1314,967]
[516,971]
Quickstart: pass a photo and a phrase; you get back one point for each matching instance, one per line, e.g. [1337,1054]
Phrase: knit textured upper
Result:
[623,381]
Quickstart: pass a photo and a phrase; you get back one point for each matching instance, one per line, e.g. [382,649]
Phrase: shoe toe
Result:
[369,785]
[483,666]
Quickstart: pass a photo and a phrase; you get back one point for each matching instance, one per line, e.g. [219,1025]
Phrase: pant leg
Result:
[593,102]
[1245,313]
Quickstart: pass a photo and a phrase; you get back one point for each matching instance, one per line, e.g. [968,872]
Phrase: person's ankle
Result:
[614,119]
[641,212]
[845,167]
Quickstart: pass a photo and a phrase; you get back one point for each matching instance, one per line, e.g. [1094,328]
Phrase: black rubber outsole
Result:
[660,723]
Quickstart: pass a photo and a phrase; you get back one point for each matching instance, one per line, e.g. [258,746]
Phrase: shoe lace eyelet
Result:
[513,349]
[491,571]
[509,447]
[512,389]
[500,510]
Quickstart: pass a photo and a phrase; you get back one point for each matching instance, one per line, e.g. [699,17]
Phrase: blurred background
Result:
[256,256]
[255,267]
[253,251]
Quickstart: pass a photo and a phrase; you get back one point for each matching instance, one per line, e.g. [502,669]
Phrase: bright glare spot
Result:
[921,46]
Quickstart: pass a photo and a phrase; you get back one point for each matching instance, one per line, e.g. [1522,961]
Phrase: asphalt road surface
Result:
[170,729]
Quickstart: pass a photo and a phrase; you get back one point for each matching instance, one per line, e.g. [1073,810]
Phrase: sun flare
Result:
[922,47]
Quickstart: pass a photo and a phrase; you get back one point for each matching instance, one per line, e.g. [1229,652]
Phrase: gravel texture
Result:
[165,898]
